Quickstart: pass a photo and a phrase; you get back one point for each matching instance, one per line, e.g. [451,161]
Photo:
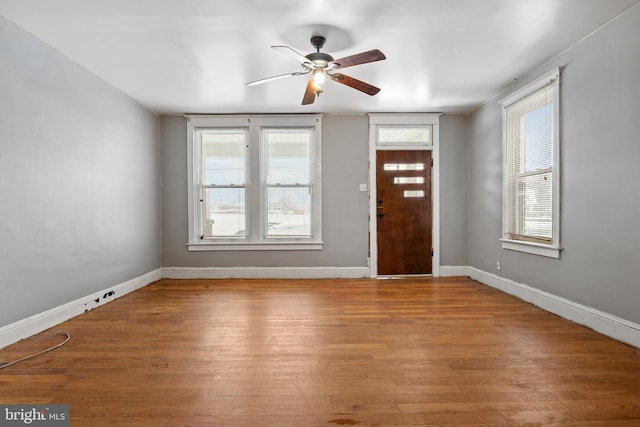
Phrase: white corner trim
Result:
[265,272]
[604,323]
[25,328]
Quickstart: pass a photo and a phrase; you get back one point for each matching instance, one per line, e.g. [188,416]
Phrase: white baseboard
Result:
[453,271]
[604,323]
[265,272]
[25,328]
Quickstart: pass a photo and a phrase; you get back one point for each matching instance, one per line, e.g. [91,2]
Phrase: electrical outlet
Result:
[498,266]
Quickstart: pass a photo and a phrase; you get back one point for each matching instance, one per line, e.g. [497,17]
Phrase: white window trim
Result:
[398,119]
[553,249]
[254,123]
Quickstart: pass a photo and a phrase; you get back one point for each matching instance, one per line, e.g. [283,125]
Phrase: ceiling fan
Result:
[320,65]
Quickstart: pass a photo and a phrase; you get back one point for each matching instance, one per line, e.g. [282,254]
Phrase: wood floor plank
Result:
[406,352]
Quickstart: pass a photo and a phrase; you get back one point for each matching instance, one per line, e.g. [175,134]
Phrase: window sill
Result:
[532,248]
[244,246]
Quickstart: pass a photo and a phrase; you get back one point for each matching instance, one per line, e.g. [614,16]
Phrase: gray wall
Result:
[600,105]
[453,189]
[79,181]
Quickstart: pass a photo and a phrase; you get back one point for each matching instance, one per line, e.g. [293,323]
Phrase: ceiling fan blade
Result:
[269,79]
[309,94]
[359,58]
[292,53]
[355,83]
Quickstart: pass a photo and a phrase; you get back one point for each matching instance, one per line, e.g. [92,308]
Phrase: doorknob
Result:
[380,215]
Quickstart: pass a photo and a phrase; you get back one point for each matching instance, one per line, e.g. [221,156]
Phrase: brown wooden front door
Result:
[403,212]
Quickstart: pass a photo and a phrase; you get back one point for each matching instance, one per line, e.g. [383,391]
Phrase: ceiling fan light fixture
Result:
[319,76]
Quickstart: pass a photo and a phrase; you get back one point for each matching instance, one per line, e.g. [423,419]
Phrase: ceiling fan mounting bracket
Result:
[318,42]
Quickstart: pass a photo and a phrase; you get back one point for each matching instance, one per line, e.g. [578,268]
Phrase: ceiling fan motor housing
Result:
[319,59]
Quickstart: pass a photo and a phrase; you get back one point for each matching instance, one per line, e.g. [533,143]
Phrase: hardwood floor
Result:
[406,352]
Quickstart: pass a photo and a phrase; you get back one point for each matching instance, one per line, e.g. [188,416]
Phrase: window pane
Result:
[413,193]
[403,166]
[535,197]
[538,138]
[224,212]
[288,156]
[403,135]
[223,155]
[288,211]
[408,180]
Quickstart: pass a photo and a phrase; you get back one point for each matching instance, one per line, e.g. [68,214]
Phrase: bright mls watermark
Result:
[34,415]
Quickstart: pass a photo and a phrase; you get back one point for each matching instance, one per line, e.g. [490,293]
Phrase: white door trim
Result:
[413,119]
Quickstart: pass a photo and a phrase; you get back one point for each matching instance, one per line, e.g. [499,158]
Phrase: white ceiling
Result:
[195,56]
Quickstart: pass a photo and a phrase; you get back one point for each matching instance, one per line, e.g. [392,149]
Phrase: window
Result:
[404,135]
[531,168]
[254,182]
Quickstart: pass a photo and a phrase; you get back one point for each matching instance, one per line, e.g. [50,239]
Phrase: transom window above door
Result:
[404,135]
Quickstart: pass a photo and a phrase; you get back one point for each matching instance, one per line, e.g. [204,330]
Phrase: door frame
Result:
[411,119]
